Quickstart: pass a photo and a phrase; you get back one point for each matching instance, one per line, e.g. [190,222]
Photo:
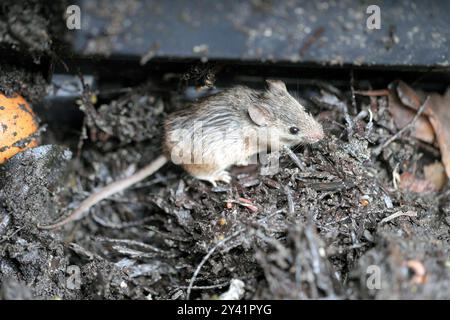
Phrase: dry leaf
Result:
[403,116]
[440,120]
[435,173]
[408,96]
[438,112]
[409,182]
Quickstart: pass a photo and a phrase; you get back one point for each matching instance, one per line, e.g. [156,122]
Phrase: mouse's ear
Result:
[259,115]
[276,86]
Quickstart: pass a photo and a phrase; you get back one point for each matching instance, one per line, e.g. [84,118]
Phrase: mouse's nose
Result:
[318,135]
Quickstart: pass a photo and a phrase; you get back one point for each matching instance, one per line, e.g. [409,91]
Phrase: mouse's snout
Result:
[316,134]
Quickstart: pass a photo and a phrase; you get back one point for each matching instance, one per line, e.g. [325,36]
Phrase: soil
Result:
[312,230]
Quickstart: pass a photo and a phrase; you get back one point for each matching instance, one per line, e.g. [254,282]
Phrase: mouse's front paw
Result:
[243,163]
[223,176]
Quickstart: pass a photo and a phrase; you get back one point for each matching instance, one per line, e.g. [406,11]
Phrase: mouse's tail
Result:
[108,191]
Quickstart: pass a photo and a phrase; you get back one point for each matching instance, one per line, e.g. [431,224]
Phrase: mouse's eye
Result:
[293,130]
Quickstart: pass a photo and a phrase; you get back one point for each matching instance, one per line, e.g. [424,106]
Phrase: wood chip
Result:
[399,214]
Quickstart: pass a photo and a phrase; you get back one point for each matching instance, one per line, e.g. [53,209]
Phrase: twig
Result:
[83,252]
[82,138]
[206,257]
[363,114]
[91,114]
[132,243]
[133,253]
[411,124]
[352,90]
[243,202]
[123,225]
[290,200]
[369,125]
[399,214]
[294,158]
[349,123]
[347,118]
[167,235]
[7,237]
[372,93]
[213,286]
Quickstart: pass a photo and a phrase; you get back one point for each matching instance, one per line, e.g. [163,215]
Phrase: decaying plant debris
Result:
[318,228]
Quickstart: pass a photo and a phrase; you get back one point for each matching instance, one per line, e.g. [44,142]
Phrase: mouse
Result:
[228,128]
